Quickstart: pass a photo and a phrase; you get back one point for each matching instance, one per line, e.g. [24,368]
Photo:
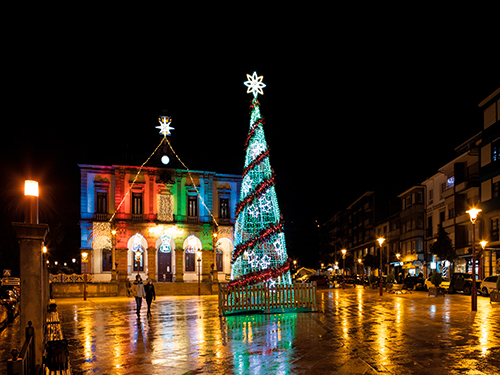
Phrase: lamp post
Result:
[380,242]
[138,260]
[198,260]
[343,268]
[215,271]
[113,246]
[360,261]
[481,266]
[84,261]
[473,217]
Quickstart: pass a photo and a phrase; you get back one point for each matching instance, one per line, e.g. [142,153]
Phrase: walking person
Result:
[138,291]
[149,289]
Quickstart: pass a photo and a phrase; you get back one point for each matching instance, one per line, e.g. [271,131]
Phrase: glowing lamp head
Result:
[483,243]
[31,188]
[344,251]
[380,241]
[473,214]
[85,256]
[165,159]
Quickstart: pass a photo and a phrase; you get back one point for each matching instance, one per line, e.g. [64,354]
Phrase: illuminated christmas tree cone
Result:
[260,254]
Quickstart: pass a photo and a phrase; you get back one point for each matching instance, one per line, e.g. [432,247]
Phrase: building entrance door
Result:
[164,267]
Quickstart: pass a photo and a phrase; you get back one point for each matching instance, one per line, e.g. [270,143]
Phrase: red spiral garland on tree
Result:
[269,229]
[261,276]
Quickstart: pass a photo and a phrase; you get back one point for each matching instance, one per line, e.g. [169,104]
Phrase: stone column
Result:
[179,265]
[152,271]
[34,299]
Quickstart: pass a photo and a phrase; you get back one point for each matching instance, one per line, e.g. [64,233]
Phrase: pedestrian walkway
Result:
[357,332]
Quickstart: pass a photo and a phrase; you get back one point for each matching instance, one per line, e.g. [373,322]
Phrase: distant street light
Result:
[380,242]
[85,259]
[473,212]
[198,253]
[343,269]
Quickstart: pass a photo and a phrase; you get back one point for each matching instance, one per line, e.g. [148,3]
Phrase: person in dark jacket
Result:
[149,290]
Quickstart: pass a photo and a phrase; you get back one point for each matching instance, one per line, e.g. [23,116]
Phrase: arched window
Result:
[137,245]
[190,259]
[166,258]
[107,260]
[224,249]
[191,245]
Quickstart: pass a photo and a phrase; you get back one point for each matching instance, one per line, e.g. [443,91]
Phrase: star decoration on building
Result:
[164,127]
[255,84]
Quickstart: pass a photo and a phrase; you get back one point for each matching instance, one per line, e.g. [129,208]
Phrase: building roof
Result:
[491,96]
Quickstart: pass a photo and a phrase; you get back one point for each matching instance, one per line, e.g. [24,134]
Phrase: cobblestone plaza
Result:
[355,332]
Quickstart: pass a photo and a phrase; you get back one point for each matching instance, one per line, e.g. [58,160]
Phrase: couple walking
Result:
[139,290]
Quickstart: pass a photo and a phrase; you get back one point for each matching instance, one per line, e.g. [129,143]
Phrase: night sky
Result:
[344,114]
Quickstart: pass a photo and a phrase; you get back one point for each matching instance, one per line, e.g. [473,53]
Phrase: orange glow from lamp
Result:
[31,188]
[31,198]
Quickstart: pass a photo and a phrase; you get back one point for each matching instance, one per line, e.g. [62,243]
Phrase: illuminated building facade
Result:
[159,225]
[490,183]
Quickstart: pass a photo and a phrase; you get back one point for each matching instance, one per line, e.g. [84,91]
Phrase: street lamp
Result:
[113,256]
[483,245]
[31,194]
[380,242]
[473,217]
[215,270]
[198,253]
[360,261]
[84,261]
[138,259]
[343,268]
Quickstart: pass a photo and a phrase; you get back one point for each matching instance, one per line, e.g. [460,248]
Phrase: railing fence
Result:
[266,299]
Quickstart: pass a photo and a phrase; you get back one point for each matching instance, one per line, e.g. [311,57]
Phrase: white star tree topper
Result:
[255,84]
[164,127]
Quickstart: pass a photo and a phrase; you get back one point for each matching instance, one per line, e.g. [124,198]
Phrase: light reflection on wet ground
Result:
[357,332]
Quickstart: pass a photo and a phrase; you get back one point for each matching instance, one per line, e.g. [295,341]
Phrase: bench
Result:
[56,356]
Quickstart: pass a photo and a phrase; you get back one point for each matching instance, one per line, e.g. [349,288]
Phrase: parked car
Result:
[488,284]
[462,282]
[414,282]
[320,280]
[445,284]
[4,317]
[8,298]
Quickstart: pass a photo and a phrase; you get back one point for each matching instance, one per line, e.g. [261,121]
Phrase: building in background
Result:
[489,172]
[412,235]
[161,222]
[472,179]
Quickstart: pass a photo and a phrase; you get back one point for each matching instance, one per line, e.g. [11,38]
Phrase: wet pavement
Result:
[356,332]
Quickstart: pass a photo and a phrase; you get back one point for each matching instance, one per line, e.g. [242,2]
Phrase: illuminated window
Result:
[495,151]
[219,255]
[192,205]
[224,208]
[450,182]
[102,203]
[141,261]
[190,258]
[137,203]
[106,260]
